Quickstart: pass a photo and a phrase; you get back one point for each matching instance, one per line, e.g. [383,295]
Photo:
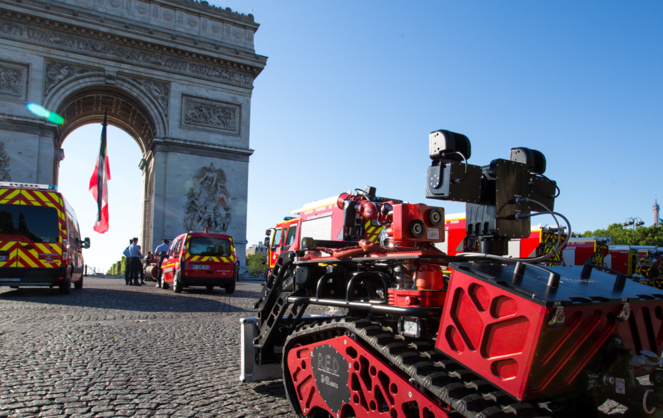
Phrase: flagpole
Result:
[100,173]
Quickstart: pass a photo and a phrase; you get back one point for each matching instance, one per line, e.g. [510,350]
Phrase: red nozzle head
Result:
[343,197]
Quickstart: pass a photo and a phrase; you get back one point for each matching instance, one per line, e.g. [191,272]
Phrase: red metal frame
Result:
[375,389]
[416,298]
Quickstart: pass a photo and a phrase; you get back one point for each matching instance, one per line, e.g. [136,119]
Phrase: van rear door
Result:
[210,256]
[10,200]
[40,229]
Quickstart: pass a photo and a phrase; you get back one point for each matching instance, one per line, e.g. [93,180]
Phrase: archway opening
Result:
[89,104]
[125,191]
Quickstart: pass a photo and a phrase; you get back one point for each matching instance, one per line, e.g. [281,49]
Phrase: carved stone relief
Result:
[57,72]
[158,90]
[4,164]
[13,80]
[110,50]
[208,201]
[204,113]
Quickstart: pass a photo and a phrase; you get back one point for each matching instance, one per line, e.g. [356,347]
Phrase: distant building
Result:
[256,249]
[657,219]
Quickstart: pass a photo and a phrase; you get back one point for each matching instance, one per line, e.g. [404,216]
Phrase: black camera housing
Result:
[494,214]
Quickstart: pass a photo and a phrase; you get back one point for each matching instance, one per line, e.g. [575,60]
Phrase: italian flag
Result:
[99,184]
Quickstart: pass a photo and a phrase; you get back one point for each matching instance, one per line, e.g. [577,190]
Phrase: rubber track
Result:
[427,368]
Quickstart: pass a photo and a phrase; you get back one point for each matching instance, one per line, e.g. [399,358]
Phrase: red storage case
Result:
[531,330]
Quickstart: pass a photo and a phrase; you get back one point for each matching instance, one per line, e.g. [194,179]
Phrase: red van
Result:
[200,259]
[40,242]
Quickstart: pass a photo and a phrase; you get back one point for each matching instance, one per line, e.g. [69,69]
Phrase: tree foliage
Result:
[256,263]
[627,235]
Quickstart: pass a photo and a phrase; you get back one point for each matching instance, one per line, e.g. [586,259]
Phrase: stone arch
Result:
[177,75]
[84,98]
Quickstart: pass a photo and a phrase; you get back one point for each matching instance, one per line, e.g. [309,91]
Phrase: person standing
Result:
[135,256]
[161,252]
[127,263]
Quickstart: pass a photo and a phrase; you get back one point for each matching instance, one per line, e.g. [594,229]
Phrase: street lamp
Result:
[636,222]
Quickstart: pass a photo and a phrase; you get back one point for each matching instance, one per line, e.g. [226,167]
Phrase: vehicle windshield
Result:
[277,238]
[38,223]
[209,246]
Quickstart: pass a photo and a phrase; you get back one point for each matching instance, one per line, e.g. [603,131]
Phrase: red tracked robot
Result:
[495,337]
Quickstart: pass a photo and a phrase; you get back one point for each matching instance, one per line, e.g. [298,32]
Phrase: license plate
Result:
[199,267]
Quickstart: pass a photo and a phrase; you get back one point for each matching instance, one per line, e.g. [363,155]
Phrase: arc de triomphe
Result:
[177,75]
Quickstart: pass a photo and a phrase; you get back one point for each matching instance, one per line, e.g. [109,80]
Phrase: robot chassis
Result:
[479,334]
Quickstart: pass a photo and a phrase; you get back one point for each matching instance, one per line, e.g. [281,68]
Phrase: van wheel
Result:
[163,284]
[79,284]
[177,282]
[65,286]
[230,288]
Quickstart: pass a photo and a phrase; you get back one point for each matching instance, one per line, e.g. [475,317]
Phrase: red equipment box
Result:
[417,223]
[531,330]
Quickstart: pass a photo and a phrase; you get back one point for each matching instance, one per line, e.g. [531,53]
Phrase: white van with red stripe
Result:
[40,243]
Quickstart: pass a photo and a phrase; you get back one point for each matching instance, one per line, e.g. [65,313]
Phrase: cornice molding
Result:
[106,46]
[66,18]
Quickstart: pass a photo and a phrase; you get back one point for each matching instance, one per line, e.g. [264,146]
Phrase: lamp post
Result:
[636,222]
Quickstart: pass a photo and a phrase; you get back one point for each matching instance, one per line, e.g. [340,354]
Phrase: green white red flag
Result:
[99,184]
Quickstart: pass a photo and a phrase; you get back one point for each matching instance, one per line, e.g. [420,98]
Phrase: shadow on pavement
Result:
[274,388]
[141,299]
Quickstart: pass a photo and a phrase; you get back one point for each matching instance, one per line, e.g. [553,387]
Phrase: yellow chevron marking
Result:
[24,261]
[42,197]
[8,195]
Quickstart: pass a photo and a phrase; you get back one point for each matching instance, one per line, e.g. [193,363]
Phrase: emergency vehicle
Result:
[321,220]
[587,250]
[200,259]
[648,262]
[542,240]
[622,258]
[40,242]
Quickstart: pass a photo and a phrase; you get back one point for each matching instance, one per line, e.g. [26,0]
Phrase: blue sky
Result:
[351,91]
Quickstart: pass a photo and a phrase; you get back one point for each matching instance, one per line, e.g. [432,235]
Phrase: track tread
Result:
[426,367]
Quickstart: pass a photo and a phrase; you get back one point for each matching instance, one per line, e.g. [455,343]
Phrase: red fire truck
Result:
[322,220]
[584,250]
[542,239]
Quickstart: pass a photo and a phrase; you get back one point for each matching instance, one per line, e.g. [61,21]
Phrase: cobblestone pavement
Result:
[110,350]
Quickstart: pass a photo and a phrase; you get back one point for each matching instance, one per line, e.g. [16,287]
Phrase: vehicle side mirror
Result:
[266,243]
[86,243]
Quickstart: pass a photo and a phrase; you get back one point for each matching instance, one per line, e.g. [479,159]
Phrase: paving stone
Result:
[110,350]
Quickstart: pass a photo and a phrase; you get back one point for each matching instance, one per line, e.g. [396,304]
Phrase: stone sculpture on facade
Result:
[208,201]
